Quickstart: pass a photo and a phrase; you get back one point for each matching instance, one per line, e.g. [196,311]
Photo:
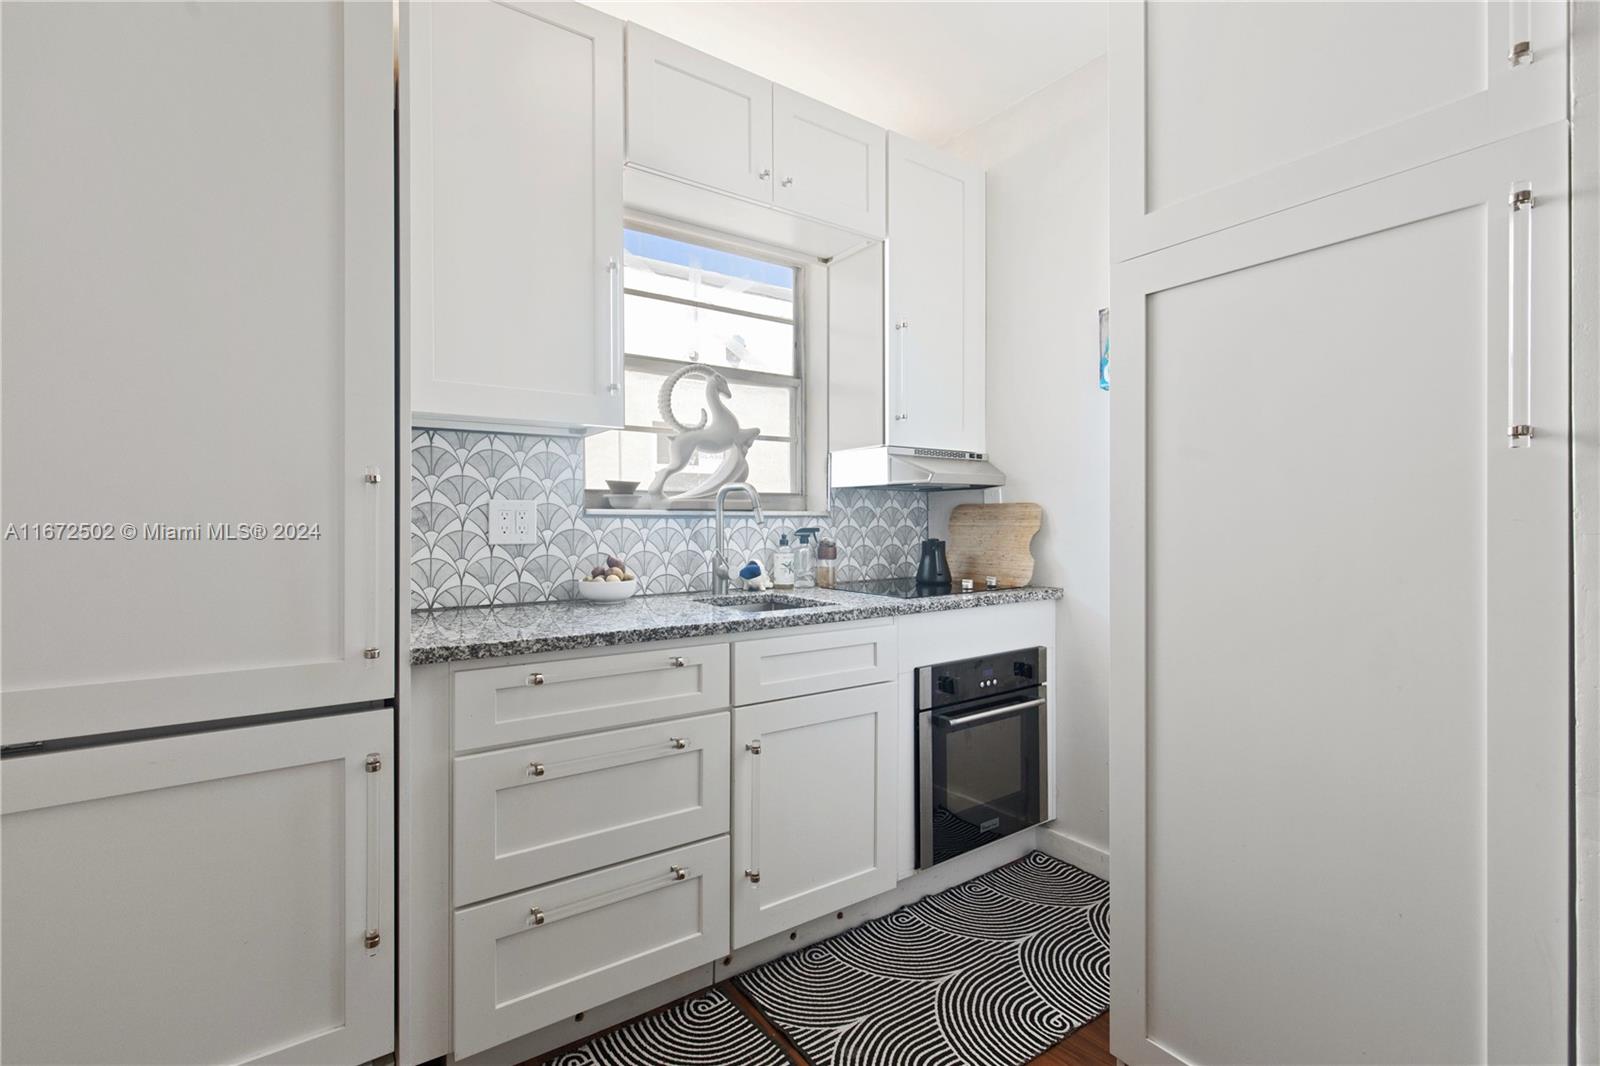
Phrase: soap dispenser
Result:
[783,564]
[805,558]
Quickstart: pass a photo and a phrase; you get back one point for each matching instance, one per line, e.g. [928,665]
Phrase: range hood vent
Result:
[912,468]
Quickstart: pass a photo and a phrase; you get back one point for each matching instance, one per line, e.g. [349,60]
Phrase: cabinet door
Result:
[827,164]
[935,300]
[1340,632]
[814,802]
[698,118]
[199,354]
[1221,113]
[513,113]
[202,898]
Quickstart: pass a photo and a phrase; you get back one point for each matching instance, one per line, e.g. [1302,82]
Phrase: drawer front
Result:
[515,704]
[540,812]
[777,668]
[529,960]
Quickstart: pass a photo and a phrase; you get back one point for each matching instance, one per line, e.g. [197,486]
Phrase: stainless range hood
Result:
[911,468]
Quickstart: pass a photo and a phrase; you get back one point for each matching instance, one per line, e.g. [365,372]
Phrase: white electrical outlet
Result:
[511,522]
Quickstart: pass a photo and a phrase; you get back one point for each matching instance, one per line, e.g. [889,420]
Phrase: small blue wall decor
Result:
[1105,349]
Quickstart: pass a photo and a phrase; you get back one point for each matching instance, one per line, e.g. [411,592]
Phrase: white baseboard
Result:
[1080,853]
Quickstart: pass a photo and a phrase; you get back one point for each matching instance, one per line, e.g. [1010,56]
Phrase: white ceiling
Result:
[928,70]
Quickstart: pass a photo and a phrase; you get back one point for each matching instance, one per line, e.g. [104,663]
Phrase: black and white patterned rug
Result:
[703,1030]
[991,972]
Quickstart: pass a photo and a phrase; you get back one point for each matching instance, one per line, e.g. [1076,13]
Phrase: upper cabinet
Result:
[1345,94]
[934,376]
[513,117]
[699,119]
[236,453]
[827,164]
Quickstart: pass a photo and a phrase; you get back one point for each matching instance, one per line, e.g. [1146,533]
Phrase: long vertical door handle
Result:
[900,330]
[614,294]
[753,871]
[1519,319]
[373,935]
[374,649]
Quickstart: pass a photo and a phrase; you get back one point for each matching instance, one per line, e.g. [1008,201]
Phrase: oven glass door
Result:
[980,774]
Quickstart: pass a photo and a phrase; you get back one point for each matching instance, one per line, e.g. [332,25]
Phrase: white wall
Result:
[1049,426]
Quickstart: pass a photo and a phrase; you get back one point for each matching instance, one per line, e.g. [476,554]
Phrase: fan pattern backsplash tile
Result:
[455,474]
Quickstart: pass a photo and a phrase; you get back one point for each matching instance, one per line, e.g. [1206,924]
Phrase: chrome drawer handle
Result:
[536,769]
[535,916]
[678,660]
[754,876]
[679,743]
[535,679]
[679,873]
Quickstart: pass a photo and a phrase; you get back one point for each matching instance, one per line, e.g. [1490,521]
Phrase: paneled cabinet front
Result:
[540,812]
[212,897]
[827,164]
[514,120]
[532,959]
[815,798]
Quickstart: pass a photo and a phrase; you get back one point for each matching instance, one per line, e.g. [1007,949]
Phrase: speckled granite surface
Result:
[463,633]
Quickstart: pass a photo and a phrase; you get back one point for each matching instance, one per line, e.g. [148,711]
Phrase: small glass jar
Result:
[827,564]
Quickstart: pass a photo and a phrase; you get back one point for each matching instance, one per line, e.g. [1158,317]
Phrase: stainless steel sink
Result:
[761,602]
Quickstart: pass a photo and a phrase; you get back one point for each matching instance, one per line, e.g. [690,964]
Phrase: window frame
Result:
[809,364]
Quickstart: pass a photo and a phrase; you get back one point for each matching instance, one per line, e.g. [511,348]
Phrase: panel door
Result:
[202,898]
[1340,629]
[935,299]
[199,362]
[828,164]
[1221,112]
[815,796]
[513,115]
[697,118]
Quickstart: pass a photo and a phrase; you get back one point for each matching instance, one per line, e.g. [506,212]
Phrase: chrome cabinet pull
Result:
[1520,18]
[765,174]
[679,742]
[679,873]
[371,936]
[374,649]
[753,871]
[614,283]
[536,769]
[900,328]
[677,660]
[535,916]
[787,182]
[1519,319]
[535,679]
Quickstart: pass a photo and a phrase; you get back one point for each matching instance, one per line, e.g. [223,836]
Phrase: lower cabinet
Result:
[531,959]
[814,802]
[235,885]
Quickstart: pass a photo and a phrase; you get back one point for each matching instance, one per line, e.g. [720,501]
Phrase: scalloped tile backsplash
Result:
[455,474]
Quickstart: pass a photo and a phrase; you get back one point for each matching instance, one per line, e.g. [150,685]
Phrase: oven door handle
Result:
[983,716]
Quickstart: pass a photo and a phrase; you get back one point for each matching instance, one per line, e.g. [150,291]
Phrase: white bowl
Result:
[607,591]
[625,502]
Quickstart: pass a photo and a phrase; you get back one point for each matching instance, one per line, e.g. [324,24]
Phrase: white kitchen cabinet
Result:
[1221,113]
[1340,630]
[545,811]
[815,795]
[513,126]
[827,164]
[812,660]
[698,118]
[199,362]
[526,961]
[935,300]
[208,897]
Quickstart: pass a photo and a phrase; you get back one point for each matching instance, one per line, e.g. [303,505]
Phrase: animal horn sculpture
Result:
[718,431]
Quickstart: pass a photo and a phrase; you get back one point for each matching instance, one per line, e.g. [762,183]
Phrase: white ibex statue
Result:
[717,431]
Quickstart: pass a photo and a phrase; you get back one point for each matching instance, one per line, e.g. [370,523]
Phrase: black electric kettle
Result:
[933,569]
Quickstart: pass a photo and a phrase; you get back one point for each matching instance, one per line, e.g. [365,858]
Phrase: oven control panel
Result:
[949,683]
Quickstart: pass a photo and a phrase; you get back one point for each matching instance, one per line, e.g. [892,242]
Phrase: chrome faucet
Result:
[719,561]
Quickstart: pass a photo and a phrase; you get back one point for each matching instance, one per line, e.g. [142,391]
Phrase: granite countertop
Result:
[464,633]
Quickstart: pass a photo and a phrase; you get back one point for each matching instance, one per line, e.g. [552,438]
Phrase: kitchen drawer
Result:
[514,704]
[799,664]
[526,961]
[549,810]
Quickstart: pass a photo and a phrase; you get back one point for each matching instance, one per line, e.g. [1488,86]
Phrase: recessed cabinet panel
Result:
[698,118]
[202,898]
[795,664]
[815,797]
[526,961]
[545,811]
[560,697]
[826,163]
[515,149]
[1227,112]
[936,300]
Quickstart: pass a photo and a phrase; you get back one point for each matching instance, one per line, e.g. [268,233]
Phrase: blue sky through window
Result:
[667,250]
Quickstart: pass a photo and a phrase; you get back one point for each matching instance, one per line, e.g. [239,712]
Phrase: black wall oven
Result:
[983,737]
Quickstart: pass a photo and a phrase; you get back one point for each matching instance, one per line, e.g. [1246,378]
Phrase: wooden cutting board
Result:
[991,540]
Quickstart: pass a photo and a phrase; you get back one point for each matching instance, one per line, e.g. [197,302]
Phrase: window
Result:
[690,304]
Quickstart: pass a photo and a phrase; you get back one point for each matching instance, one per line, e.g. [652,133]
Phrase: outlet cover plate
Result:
[511,522]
